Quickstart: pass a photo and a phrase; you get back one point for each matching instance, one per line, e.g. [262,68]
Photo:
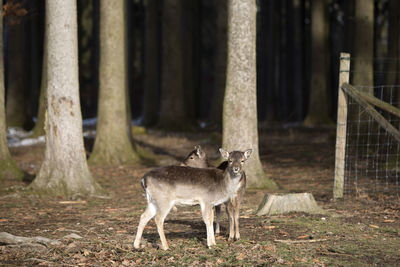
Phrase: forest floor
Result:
[359,230]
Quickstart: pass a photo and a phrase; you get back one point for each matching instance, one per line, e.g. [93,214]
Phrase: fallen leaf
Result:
[385,221]
[86,252]
[374,226]
[240,256]
[3,220]
[219,261]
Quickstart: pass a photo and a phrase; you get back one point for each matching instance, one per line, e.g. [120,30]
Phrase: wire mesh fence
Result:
[372,157]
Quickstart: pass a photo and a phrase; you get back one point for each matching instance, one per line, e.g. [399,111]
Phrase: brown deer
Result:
[181,185]
[198,159]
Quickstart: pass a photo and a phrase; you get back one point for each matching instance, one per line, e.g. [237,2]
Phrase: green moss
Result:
[10,170]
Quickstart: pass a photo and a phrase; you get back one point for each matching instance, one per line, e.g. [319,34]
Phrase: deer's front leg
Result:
[231,219]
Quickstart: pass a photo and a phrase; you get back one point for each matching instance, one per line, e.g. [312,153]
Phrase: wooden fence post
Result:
[344,74]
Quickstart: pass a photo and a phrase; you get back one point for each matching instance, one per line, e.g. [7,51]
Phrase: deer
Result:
[198,159]
[183,185]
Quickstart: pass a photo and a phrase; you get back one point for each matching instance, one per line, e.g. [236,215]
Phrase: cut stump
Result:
[277,204]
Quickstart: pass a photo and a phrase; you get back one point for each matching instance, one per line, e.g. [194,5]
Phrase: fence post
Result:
[344,74]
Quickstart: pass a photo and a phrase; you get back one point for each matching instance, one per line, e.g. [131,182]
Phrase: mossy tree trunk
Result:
[173,115]
[318,113]
[240,105]
[112,145]
[151,64]
[64,171]
[8,168]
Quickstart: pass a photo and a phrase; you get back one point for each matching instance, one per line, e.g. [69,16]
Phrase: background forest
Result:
[154,78]
[285,56]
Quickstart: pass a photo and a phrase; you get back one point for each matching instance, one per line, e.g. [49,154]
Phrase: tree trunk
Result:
[112,145]
[16,108]
[215,114]
[173,115]
[318,113]
[39,130]
[240,103]
[64,171]
[394,48]
[364,44]
[8,168]
[151,64]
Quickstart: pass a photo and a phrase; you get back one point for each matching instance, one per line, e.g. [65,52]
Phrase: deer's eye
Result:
[191,158]
[242,161]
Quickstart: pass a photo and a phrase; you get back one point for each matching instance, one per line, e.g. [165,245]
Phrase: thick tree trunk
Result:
[173,115]
[151,64]
[240,104]
[8,168]
[364,44]
[64,171]
[112,145]
[318,113]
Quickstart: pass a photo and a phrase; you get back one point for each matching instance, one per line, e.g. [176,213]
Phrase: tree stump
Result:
[277,204]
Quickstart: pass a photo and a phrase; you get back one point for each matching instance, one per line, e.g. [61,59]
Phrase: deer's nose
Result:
[235,169]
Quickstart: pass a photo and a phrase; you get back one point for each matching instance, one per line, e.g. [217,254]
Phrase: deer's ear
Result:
[224,153]
[198,151]
[247,153]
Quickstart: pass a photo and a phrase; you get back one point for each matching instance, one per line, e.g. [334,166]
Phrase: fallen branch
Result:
[299,241]
[9,239]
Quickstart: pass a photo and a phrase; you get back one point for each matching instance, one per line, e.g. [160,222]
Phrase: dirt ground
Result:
[359,230]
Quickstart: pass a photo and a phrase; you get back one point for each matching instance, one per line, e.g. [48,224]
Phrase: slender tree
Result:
[64,170]
[151,64]
[240,105]
[38,129]
[17,111]
[173,114]
[8,168]
[394,47]
[364,44]
[215,115]
[318,112]
[112,145]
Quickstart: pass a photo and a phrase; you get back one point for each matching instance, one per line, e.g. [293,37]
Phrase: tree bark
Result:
[215,115]
[394,48]
[112,145]
[16,108]
[240,104]
[173,114]
[38,129]
[364,44]
[8,168]
[318,113]
[151,64]
[64,171]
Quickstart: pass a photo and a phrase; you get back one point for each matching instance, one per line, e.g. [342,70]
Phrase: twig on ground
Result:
[299,241]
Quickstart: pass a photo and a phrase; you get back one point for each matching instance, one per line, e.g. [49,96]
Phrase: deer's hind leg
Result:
[159,219]
[144,219]
[217,218]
